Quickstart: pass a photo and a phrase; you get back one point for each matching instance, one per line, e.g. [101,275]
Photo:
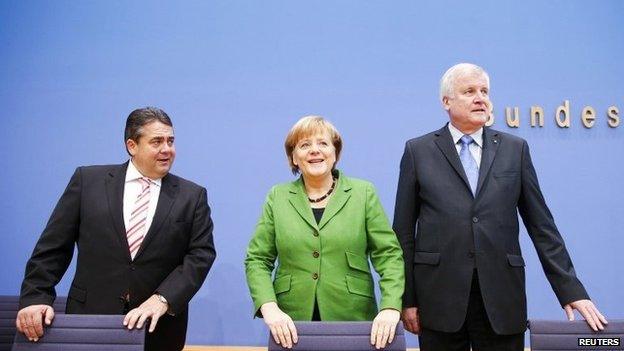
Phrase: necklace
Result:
[326,195]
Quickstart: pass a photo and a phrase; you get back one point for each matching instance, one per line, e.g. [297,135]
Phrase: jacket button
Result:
[315,254]
[133,267]
[475,219]
[315,233]
[315,276]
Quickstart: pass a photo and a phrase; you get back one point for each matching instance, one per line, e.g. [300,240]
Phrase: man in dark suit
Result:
[464,271]
[144,239]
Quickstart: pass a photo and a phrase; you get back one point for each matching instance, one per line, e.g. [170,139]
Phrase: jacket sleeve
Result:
[186,279]
[548,242]
[261,256]
[54,249]
[406,212]
[385,252]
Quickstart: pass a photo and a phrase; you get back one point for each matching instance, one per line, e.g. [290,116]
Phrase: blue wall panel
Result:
[235,75]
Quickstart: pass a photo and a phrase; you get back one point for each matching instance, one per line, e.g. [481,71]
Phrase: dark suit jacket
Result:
[458,232]
[173,259]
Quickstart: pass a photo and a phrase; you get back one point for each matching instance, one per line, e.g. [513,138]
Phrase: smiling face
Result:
[469,104]
[315,155]
[153,153]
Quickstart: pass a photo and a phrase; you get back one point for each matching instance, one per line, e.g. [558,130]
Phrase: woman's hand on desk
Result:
[281,325]
[384,326]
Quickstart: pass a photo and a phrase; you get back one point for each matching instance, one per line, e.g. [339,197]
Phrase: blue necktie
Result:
[469,163]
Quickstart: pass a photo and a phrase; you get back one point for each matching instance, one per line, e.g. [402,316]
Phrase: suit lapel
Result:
[444,141]
[299,200]
[490,146]
[166,199]
[337,201]
[115,181]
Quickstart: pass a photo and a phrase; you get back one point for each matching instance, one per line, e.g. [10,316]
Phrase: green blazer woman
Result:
[322,229]
[327,261]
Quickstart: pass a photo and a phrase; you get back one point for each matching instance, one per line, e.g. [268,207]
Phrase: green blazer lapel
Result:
[337,201]
[299,200]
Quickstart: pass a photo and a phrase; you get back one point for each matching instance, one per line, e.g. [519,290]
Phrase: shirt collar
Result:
[457,134]
[132,174]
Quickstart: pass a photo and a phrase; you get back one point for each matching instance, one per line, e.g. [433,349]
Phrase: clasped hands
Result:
[284,331]
[30,319]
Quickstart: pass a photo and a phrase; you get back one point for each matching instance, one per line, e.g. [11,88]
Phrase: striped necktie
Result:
[137,226]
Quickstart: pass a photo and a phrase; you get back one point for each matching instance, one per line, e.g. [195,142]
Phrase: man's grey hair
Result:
[447,82]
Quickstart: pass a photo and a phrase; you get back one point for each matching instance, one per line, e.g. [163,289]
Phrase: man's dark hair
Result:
[141,117]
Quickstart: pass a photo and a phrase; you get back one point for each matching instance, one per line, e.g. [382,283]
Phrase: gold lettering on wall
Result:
[588,116]
[537,113]
[563,116]
[614,118]
[565,110]
[513,122]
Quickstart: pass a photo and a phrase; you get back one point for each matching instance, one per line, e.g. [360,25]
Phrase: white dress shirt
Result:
[132,189]
[475,148]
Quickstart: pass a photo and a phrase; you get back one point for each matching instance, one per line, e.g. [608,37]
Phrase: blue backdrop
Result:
[234,76]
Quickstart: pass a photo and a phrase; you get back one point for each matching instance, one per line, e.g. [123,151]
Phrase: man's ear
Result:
[445,103]
[131,145]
